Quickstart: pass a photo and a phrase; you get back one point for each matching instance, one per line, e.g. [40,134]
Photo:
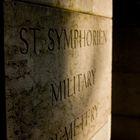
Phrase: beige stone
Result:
[98,7]
[104,133]
[58,73]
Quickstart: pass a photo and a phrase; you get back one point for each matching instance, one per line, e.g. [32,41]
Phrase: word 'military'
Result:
[68,87]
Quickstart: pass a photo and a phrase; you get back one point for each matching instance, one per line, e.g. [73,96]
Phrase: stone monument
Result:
[58,69]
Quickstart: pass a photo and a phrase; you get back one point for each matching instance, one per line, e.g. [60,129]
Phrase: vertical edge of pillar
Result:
[2,76]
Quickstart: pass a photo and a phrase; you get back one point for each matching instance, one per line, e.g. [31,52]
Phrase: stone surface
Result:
[99,7]
[58,73]
[105,132]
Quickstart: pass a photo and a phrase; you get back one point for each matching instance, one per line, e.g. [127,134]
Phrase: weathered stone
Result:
[103,133]
[99,7]
[58,73]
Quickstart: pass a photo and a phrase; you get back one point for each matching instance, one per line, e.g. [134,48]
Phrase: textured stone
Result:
[99,7]
[58,73]
[104,133]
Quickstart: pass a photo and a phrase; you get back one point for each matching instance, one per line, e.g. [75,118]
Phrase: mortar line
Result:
[98,130]
[62,8]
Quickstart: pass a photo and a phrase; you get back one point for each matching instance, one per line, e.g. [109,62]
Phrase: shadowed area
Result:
[126,70]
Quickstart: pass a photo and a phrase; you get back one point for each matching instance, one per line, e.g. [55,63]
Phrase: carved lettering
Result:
[34,38]
[52,43]
[61,39]
[26,44]
[77,126]
[72,85]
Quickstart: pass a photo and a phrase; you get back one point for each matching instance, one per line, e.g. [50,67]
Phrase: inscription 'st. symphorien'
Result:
[61,39]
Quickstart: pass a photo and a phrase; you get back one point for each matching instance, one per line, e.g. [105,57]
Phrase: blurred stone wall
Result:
[58,57]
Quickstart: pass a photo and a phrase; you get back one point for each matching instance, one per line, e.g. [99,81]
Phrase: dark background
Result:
[126,70]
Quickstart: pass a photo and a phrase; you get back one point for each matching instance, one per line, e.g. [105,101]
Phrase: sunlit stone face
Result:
[58,73]
[98,7]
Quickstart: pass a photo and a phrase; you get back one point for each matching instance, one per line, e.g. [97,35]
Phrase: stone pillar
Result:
[58,69]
